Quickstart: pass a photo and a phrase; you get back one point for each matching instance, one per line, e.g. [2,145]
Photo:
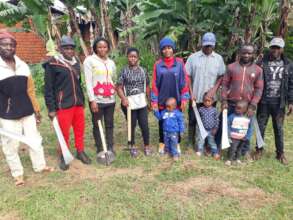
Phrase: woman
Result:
[133,83]
[169,80]
[99,72]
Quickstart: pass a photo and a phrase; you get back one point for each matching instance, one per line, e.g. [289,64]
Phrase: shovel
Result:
[133,150]
[105,157]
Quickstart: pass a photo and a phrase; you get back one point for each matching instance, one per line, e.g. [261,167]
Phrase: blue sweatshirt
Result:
[172,121]
[240,127]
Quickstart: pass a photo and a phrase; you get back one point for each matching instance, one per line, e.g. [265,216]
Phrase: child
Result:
[240,131]
[173,125]
[210,120]
[134,81]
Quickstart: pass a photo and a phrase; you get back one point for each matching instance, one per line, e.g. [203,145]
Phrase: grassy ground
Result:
[150,188]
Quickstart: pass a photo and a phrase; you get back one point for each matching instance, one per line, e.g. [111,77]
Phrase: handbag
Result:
[137,101]
[105,89]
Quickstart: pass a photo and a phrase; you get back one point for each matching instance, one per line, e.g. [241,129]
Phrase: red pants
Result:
[74,117]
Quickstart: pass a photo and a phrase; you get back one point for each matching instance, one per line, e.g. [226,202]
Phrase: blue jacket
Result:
[169,82]
[240,127]
[172,121]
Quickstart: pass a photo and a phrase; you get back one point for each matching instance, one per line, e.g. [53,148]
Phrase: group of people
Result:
[247,88]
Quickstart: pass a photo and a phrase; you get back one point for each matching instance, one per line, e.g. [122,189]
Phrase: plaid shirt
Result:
[243,83]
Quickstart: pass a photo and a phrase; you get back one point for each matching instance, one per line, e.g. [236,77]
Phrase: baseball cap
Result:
[209,39]
[67,41]
[277,41]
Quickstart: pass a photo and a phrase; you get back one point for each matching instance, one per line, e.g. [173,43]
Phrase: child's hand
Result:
[214,131]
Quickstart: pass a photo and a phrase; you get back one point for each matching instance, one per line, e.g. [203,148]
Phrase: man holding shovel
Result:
[19,110]
[64,97]
[278,92]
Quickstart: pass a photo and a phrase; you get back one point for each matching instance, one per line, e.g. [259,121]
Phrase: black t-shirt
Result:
[274,75]
[134,80]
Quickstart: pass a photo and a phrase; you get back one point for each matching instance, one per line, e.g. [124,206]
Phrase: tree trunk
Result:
[73,20]
[248,29]
[283,27]
[96,19]
[107,23]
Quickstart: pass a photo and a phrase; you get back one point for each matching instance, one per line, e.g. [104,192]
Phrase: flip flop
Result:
[19,181]
[48,169]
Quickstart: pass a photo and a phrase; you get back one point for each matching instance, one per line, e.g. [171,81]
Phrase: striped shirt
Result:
[204,71]
[243,83]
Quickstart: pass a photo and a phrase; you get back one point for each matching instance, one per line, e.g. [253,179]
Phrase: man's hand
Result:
[251,110]
[211,93]
[94,107]
[183,105]
[224,105]
[193,98]
[52,115]
[125,102]
[38,117]
[290,109]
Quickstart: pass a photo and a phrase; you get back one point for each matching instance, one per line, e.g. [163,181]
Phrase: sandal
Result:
[18,181]
[48,169]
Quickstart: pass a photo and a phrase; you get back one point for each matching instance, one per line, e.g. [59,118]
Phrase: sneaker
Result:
[282,159]
[238,162]
[83,157]
[257,154]
[148,151]
[62,165]
[178,149]
[175,158]
[217,156]
[133,152]
[228,163]
[161,149]
[198,153]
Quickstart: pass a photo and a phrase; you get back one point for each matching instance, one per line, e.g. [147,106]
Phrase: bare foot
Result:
[47,169]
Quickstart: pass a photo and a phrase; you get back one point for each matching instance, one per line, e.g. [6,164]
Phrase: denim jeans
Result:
[171,141]
[210,139]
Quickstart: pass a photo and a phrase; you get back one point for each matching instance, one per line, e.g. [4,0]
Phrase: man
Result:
[19,110]
[243,81]
[278,92]
[205,69]
[64,96]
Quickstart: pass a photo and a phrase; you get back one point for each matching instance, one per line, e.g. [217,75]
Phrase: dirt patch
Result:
[211,189]
[10,216]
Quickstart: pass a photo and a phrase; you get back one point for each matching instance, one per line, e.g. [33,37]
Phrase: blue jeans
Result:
[171,141]
[211,142]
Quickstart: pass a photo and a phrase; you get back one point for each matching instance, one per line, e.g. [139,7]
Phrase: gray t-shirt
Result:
[203,71]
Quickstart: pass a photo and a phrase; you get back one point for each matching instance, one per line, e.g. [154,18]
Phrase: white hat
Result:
[277,41]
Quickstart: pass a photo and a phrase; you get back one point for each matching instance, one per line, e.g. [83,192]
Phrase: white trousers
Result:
[27,126]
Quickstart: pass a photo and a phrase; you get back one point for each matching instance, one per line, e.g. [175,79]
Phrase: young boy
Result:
[210,120]
[173,124]
[240,131]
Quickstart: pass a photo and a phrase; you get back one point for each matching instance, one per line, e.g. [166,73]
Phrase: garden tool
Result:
[202,130]
[64,148]
[104,157]
[133,150]
[259,140]
[225,138]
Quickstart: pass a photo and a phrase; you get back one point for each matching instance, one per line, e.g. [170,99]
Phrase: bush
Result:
[38,75]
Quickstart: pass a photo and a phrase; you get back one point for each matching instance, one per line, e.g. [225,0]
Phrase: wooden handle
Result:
[102,136]
[129,123]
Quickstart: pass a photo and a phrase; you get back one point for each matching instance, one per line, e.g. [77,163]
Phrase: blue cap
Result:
[66,41]
[209,39]
[167,41]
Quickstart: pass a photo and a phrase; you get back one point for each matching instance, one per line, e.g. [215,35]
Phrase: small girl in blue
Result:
[173,125]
